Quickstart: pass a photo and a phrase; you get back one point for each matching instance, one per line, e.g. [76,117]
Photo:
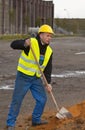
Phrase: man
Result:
[28,75]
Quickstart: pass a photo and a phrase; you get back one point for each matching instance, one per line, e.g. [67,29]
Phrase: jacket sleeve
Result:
[20,45]
[48,70]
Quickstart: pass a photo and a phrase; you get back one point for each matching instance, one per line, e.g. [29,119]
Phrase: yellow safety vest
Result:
[27,63]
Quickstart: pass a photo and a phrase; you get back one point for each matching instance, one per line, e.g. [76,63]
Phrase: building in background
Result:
[16,16]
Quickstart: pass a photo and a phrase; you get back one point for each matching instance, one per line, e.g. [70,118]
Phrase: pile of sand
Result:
[77,122]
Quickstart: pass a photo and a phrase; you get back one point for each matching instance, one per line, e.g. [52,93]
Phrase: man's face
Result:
[46,37]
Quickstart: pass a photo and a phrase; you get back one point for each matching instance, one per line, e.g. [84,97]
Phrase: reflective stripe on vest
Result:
[27,63]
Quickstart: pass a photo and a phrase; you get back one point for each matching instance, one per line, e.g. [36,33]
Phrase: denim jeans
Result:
[24,83]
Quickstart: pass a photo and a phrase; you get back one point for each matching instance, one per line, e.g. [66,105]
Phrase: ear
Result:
[41,35]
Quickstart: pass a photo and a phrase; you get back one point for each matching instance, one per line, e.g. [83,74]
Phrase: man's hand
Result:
[27,43]
[49,87]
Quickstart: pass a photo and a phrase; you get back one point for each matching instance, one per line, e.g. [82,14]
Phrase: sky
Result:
[69,8]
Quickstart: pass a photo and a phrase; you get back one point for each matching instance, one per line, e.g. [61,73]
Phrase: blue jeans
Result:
[22,84]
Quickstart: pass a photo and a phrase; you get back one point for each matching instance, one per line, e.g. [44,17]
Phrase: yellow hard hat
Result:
[46,28]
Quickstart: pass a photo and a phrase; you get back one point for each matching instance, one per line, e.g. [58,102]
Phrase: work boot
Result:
[10,128]
[42,122]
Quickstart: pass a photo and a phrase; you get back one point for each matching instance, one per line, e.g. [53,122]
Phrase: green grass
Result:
[8,37]
[13,36]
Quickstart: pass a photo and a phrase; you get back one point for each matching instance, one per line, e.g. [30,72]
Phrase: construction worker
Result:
[28,75]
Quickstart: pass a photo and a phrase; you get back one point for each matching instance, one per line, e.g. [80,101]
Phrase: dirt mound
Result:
[77,122]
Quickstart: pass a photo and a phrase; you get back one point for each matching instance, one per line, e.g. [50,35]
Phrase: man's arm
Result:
[19,44]
[48,70]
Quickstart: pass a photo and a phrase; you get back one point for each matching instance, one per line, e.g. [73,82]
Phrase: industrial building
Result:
[16,16]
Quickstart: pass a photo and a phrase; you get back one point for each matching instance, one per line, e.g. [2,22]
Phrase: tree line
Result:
[76,26]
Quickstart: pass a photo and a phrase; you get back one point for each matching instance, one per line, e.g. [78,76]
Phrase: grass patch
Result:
[13,36]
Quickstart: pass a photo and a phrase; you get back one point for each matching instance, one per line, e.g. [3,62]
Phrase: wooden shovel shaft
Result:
[44,78]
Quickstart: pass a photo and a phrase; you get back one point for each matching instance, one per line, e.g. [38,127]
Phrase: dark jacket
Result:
[19,44]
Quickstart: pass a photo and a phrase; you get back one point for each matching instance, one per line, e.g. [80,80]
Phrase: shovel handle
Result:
[57,107]
[44,78]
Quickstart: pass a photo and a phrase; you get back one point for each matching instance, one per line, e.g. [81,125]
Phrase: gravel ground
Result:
[68,87]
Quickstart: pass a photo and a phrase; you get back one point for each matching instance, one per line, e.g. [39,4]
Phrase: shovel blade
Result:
[63,113]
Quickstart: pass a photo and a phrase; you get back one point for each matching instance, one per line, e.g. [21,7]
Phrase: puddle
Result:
[7,87]
[80,53]
[69,74]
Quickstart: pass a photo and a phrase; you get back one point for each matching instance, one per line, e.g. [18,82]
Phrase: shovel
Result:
[61,113]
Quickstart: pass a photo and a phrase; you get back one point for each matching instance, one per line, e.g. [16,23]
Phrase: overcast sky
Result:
[69,8]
